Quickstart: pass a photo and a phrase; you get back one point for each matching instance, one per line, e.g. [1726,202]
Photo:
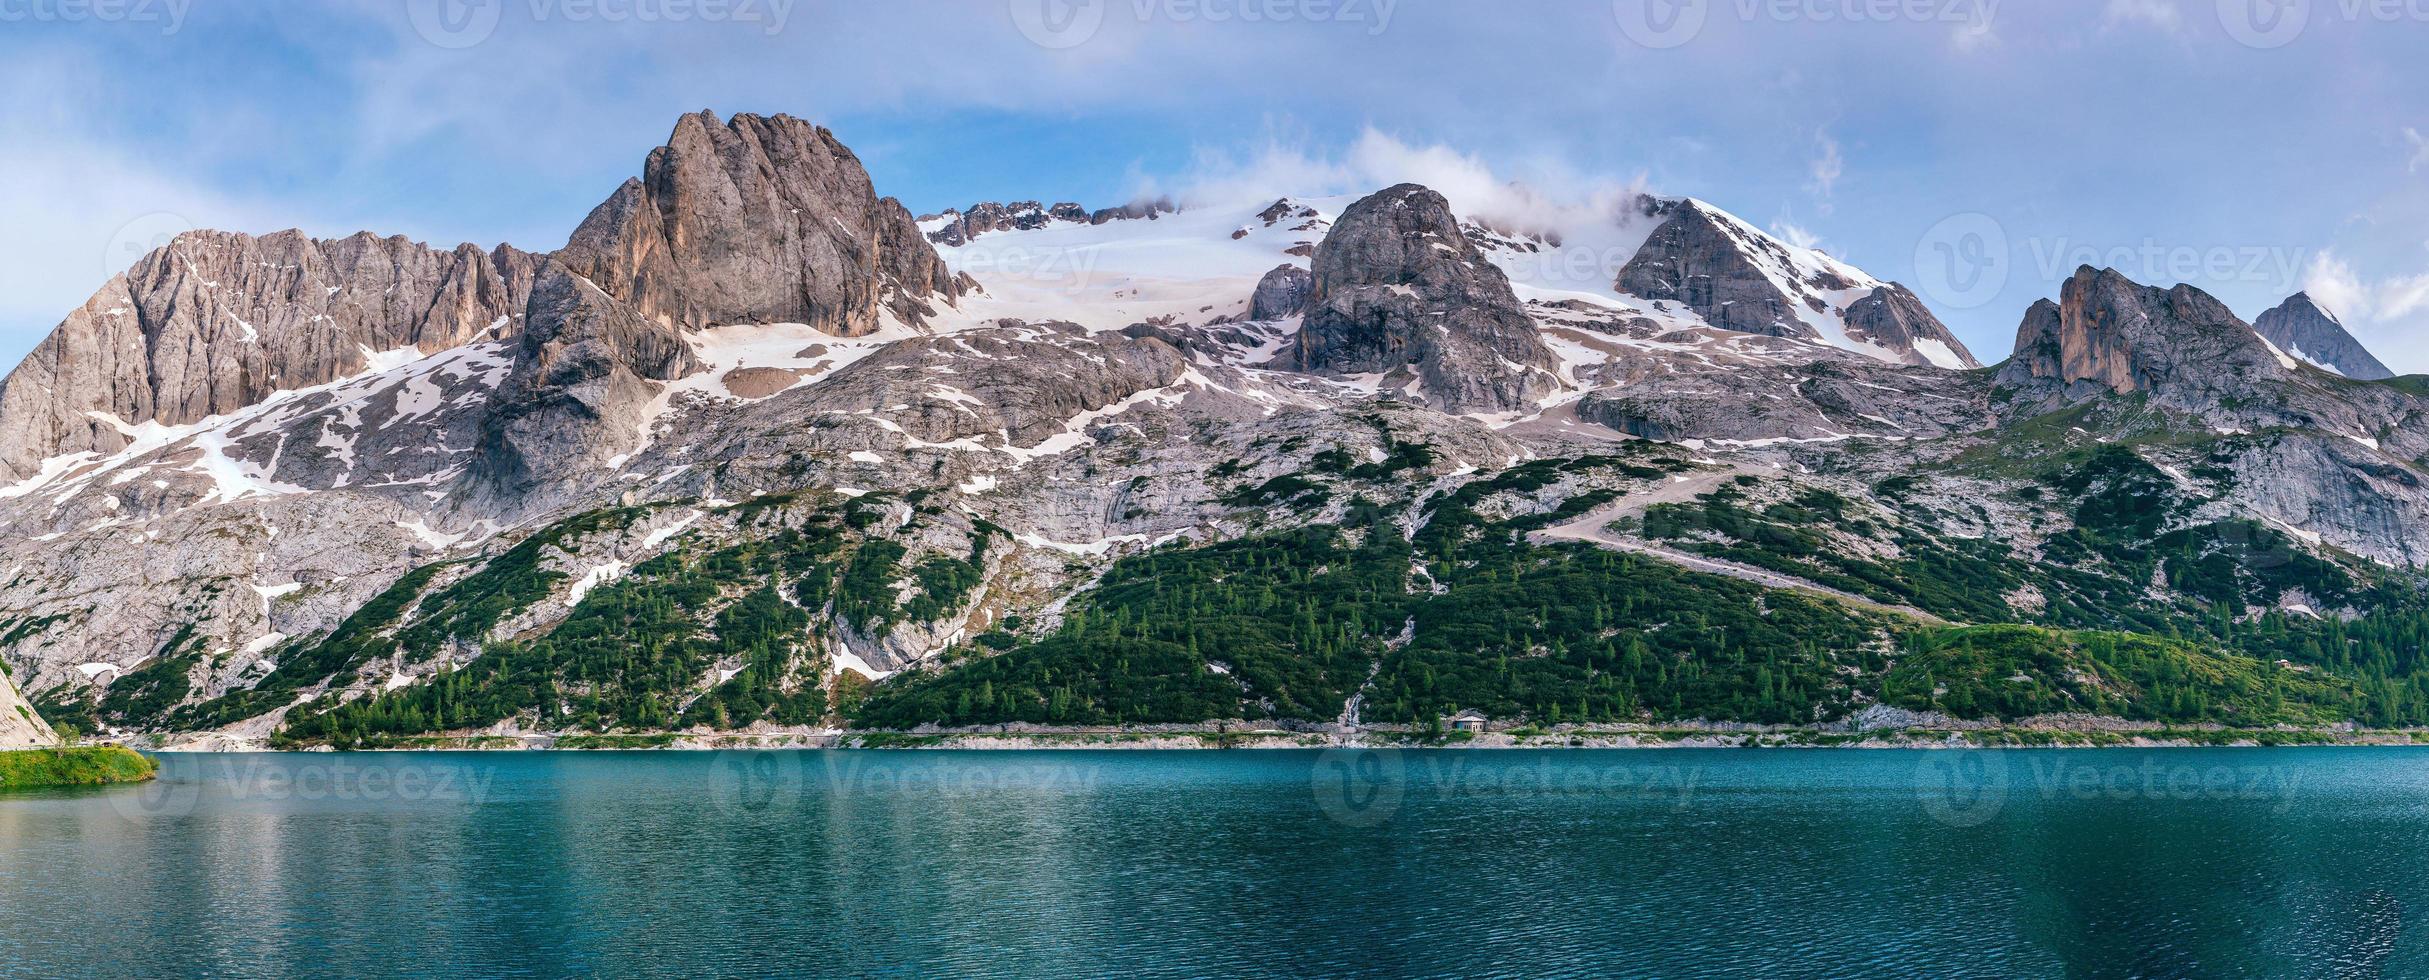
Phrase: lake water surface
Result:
[2187,862]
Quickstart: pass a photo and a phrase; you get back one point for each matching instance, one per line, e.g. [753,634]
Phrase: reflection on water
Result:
[2103,863]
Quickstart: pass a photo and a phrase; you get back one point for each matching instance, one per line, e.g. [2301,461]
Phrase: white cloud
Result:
[1977,33]
[2332,282]
[80,209]
[2420,150]
[80,213]
[1277,167]
[2160,14]
[2333,285]
[2390,317]
[1794,234]
[1553,198]
[2403,296]
[1825,170]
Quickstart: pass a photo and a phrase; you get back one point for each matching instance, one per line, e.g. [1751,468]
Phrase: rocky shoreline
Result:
[2043,733]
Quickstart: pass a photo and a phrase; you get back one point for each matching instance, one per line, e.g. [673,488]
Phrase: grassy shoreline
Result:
[88,765]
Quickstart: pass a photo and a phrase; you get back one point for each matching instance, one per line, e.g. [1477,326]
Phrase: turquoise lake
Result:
[2185,862]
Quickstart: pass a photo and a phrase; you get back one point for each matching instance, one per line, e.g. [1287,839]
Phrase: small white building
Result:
[1469,721]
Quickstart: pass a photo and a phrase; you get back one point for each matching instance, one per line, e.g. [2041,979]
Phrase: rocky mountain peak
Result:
[1397,287]
[1739,278]
[215,321]
[2301,327]
[1147,209]
[2107,333]
[1894,318]
[956,227]
[1694,257]
[962,225]
[759,219]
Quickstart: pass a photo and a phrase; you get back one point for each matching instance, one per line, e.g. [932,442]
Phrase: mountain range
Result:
[759,450]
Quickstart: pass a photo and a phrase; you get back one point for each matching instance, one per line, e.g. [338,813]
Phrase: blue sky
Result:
[1977,149]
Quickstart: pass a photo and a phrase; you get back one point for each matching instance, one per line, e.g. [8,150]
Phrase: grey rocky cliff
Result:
[1726,387]
[1284,291]
[1030,394]
[584,377]
[986,216]
[20,727]
[1397,287]
[2109,334]
[1740,279]
[1695,259]
[1802,399]
[1133,211]
[2312,449]
[759,220]
[216,321]
[1892,316]
[2301,327]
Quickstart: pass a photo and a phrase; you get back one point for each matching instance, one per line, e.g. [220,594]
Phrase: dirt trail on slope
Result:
[1592,529]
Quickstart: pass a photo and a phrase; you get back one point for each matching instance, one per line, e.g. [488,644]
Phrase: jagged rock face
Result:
[20,727]
[2299,326]
[2334,457]
[243,574]
[1738,278]
[1018,382]
[2363,499]
[1397,286]
[758,220]
[1132,211]
[1695,260]
[587,371]
[962,226]
[1282,292]
[2110,334]
[986,216]
[1892,317]
[1802,394]
[216,321]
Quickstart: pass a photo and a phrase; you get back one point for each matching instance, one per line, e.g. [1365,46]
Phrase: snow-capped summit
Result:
[2303,328]
[957,226]
[1679,262]
[1738,277]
